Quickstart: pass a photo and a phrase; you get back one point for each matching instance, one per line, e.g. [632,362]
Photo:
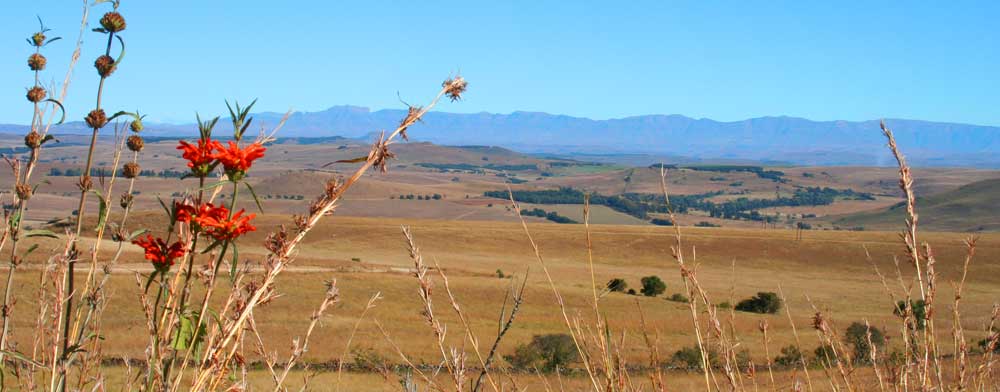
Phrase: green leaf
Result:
[30,250]
[149,281]
[102,217]
[22,357]
[255,198]
[121,55]
[213,186]
[352,160]
[40,233]
[236,259]
[187,335]
[137,233]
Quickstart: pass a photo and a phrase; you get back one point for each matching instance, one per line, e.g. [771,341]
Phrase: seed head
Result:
[36,94]
[126,200]
[454,88]
[131,170]
[33,140]
[37,62]
[105,66]
[38,39]
[97,119]
[23,191]
[135,143]
[136,125]
[113,22]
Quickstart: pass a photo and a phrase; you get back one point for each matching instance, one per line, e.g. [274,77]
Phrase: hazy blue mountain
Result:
[780,139]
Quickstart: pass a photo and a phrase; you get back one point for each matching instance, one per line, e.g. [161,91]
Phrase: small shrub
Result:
[500,273]
[653,286]
[919,309]
[825,355]
[631,292]
[725,305]
[356,259]
[857,338]
[763,302]
[367,359]
[617,285]
[790,356]
[678,297]
[548,352]
[690,358]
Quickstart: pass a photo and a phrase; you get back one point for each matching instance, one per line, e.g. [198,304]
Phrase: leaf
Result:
[121,55]
[30,250]
[165,208]
[149,281]
[236,259]
[52,40]
[213,186]
[40,233]
[255,198]
[352,160]
[22,357]
[137,233]
[187,335]
[61,109]
[102,217]
[100,30]
[47,138]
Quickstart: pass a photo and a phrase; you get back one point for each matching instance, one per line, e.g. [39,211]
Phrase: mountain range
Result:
[779,139]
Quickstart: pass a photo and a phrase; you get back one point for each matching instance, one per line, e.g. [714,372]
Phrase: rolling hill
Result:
[971,207]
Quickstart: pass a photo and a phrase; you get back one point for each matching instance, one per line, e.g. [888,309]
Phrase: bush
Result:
[548,352]
[857,338]
[790,356]
[690,358]
[678,297]
[653,286]
[764,302]
[725,305]
[825,355]
[992,341]
[500,273]
[617,285]
[919,309]
[631,292]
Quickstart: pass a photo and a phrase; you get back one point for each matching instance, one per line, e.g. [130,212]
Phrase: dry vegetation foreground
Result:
[827,269]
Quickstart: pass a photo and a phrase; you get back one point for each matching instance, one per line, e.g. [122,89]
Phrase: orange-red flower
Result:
[223,228]
[158,252]
[189,214]
[199,156]
[237,160]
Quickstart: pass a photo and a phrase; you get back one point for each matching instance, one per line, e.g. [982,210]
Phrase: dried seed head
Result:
[819,323]
[37,62]
[97,119]
[113,22]
[136,125]
[23,191]
[454,88]
[36,94]
[38,39]
[85,183]
[33,140]
[135,143]
[105,66]
[126,200]
[412,116]
[131,170]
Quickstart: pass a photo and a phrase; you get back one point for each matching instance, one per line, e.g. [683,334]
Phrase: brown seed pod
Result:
[33,140]
[105,66]
[135,143]
[97,119]
[126,200]
[85,183]
[37,62]
[23,191]
[454,88]
[113,22]
[36,94]
[38,39]
[131,170]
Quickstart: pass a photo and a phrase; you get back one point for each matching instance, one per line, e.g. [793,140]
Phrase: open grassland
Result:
[366,256]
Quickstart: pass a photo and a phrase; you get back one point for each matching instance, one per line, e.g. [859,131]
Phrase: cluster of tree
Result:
[550,215]
[96,172]
[411,196]
[476,168]
[548,353]
[763,302]
[856,338]
[286,197]
[661,222]
[651,286]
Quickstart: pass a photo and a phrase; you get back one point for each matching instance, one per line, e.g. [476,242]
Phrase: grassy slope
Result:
[971,207]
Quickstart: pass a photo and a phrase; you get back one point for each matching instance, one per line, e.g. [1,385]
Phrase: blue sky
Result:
[721,60]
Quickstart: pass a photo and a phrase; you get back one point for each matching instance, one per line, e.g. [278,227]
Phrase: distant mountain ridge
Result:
[784,139]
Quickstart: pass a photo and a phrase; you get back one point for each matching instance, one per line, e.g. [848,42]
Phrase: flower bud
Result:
[38,39]
[97,119]
[105,66]
[37,62]
[137,126]
[23,191]
[113,22]
[135,143]
[131,170]
[33,140]
[36,94]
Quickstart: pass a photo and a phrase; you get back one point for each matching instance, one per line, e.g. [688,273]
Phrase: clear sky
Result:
[721,60]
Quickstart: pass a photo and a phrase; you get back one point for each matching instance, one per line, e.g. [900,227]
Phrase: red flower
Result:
[158,252]
[199,156]
[221,227]
[236,160]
